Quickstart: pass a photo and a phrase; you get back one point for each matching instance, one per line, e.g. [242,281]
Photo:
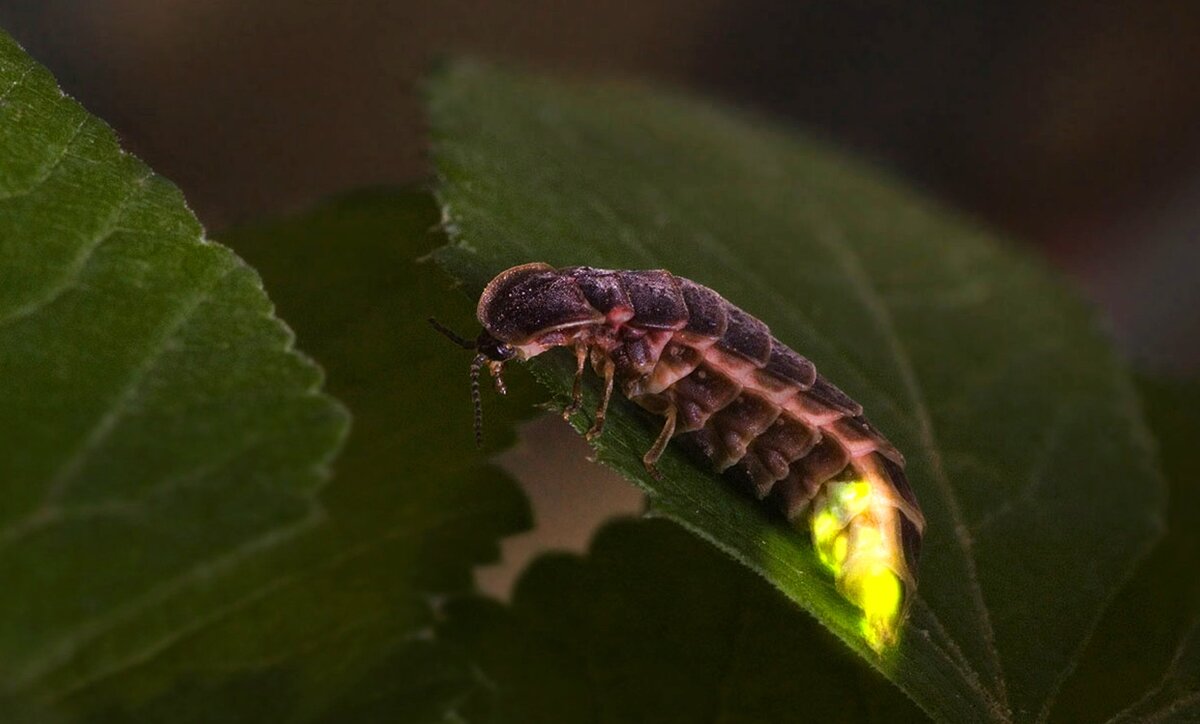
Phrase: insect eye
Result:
[494,349]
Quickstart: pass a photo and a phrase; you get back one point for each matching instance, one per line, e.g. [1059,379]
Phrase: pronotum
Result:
[750,404]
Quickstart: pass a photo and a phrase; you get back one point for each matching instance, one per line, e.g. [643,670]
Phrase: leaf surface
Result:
[157,425]
[1022,433]
[655,625]
[1143,664]
[413,506]
[167,546]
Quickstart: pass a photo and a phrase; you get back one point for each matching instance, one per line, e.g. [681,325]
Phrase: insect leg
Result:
[609,370]
[496,369]
[656,450]
[581,355]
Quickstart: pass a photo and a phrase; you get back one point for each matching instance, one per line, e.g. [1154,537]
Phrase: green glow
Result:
[850,542]
[825,525]
[826,529]
[834,508]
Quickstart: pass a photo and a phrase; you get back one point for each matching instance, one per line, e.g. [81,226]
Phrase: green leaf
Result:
[168,552]
[1021,430]
[1143,664]
[412,509]
[654,625]
[157,426]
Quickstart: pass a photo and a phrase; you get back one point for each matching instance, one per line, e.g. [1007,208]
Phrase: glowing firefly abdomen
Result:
[727,388]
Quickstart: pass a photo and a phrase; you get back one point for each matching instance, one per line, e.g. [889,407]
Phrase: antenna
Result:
[476,366]
[465,344]
[476,399]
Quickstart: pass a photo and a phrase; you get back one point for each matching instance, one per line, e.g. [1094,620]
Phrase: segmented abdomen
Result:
[753,406]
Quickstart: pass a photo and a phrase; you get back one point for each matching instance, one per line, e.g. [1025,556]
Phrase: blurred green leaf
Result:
[1021,429]
[167,554]
[412,509]
[654,625]
[1144,660]
[158,428]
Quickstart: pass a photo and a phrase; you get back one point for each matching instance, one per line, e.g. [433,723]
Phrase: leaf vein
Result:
[1170,707]
[74,269]
[1051,441]
[62,652]
[862,287]
[43,174]
[107,423]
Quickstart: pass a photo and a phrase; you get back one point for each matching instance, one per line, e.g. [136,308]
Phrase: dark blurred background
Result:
[1075,126]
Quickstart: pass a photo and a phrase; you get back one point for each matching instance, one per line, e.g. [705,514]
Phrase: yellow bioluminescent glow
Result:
[853,493]
[825,525]
[841,549]
[877,591]
[827,550]
[848,532]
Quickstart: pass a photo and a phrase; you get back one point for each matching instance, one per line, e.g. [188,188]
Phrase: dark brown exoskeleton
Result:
[754,407]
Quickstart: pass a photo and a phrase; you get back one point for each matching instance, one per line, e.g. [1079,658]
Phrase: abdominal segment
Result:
[787,436]
[780,442]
